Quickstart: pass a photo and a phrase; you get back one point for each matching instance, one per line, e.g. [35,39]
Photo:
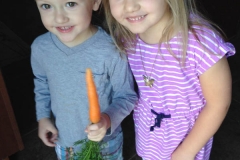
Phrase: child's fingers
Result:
[95,139]
[102,124]
[53,138]
[94,132]
[47,140]
[93,127]
[47,132]
[97,131]
[96,135]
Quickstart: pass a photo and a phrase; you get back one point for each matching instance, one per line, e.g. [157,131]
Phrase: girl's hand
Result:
[97,131]
[47,132]
[180,154]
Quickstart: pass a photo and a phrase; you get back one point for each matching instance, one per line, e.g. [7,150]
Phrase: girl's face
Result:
[144,17]
[68,20]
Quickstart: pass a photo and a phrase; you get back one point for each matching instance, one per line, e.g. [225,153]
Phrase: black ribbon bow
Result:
[159,118]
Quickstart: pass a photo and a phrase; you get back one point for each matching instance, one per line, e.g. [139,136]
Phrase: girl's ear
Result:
[96,4]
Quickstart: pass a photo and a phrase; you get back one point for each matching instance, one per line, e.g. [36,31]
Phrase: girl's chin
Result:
[135,31]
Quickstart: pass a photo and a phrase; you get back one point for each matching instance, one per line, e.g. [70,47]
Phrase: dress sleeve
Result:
[41,90]
[211,49]
[124,96]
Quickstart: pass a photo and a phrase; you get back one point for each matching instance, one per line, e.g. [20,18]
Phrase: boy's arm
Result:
[124,96]
[41,90]
[47,132]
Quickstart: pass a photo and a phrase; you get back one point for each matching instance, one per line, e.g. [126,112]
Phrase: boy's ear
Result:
[96,4]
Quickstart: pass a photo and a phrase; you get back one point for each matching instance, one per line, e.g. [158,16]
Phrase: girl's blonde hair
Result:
[183,13]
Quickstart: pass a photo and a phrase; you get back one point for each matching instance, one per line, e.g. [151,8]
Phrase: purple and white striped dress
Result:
[176,91]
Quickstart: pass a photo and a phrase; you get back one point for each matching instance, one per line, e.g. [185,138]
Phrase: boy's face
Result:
[69,20]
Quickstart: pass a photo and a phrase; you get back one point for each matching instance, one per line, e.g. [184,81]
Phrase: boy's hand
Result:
[97,131]
[47,132]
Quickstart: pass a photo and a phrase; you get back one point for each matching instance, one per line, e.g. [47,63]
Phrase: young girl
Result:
[179,62]
[59,60]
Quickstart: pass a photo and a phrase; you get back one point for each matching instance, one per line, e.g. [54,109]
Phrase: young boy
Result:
[59,59]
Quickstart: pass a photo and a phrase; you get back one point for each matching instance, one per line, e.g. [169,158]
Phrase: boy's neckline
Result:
[80,47]
[91,31]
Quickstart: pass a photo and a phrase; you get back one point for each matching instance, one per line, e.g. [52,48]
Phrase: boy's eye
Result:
[45,6]
[71,4]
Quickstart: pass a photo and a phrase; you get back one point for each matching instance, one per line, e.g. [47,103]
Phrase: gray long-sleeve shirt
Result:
[60,85]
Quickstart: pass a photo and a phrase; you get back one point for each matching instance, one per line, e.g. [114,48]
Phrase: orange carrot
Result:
[94,108]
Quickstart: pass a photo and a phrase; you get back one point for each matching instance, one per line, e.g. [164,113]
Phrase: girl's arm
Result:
[216,86]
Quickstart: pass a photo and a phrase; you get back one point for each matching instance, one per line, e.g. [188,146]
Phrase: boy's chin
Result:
[69,43]
[65,40]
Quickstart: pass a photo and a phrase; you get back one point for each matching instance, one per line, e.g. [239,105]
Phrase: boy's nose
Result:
[131,5]
[61,17]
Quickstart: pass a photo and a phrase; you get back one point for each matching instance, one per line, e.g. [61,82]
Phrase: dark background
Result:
[21,24]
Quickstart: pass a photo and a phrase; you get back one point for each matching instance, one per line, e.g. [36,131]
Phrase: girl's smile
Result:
[136,18]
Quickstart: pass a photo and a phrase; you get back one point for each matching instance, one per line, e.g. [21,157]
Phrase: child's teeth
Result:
[65,27]
[137,18]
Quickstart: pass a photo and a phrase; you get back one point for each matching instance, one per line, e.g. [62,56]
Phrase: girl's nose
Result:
[61,17]
[131,5]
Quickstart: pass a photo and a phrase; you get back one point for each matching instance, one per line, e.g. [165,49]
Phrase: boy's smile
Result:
[68,20]
[65,29]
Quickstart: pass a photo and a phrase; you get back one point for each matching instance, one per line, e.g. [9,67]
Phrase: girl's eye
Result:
[45,6]
[71,4]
